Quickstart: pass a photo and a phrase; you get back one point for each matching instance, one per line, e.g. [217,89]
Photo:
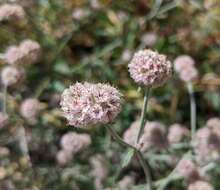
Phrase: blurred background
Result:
[94,40]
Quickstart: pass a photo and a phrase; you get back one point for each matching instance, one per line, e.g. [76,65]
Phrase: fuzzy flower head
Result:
[74,142]
[187,169]
[30,109]
[87,104]
[11,12]
[182,62]
[31,51]
[200,185]
[63,157]
[149,68]
[176,133]
[4,119]
[149,39]
[154,136]
[14,56]
[188,74]
[11,75]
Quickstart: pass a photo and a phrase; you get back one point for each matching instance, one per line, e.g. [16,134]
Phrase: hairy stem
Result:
[143,113]
[192,109]
[144,164]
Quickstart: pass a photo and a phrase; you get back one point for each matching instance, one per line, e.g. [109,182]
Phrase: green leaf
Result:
[127,158]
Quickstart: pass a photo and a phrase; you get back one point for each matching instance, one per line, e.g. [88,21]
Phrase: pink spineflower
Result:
[11,75]
[30,109]
[14,56]
[149,39]
[87,104]
[74,142]
[176,133]
[182,62]
[11,12]
[200,185]
[149,68]
[63,157]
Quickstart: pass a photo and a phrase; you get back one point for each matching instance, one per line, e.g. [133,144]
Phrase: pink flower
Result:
[188,74]
[14,56]
[31,50]
[182,62]
[148,68]
[87,104]
[30,109]
[149,39]
[74,142]
[4,119]
[11,12]
[200,185]
[11,75]
[63,157]
[187,169]
[176,133]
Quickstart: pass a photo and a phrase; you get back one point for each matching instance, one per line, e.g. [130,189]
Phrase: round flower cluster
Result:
[71,143]
[149,68]
[187,169]
[11,75]
[207,142]
[87,104]
[149,39]
[200,185]
[4,119]
[184,65]
[176,133]
[99,170]
[30,109]
[28,52]
[154,135]
[74,142]
[11,12]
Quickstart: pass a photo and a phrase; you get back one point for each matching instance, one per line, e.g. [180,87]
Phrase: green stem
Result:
[143,113]
[192,109]
[144,164]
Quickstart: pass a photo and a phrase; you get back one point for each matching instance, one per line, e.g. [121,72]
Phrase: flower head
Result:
[187,169]
[31,51]
[14,56]
[63,157]
[74,142]
[87,104]
[11,12]
[149,68]
[149,39]
[4,119]
[200,185]
[182,62]
[176,133]
[30,109]
[184,65]
[11,75]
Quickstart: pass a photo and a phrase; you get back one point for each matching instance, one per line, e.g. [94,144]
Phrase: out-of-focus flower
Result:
[11,12]
[154,136]
[95,4]
[31,51]
[99,170]
[126,55]
[11,75]
[207,142]
[184,65]
[187,169]
[176,133]
[189,74]
[87,104]
[182,62]
[63,157]
[4,119]
[126,183]
[131,133]
[28,52]
[79,14]
[4,151]
[200,185]
[14,56]
[148,68]
[149,39]
[74,142]
[30,109]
